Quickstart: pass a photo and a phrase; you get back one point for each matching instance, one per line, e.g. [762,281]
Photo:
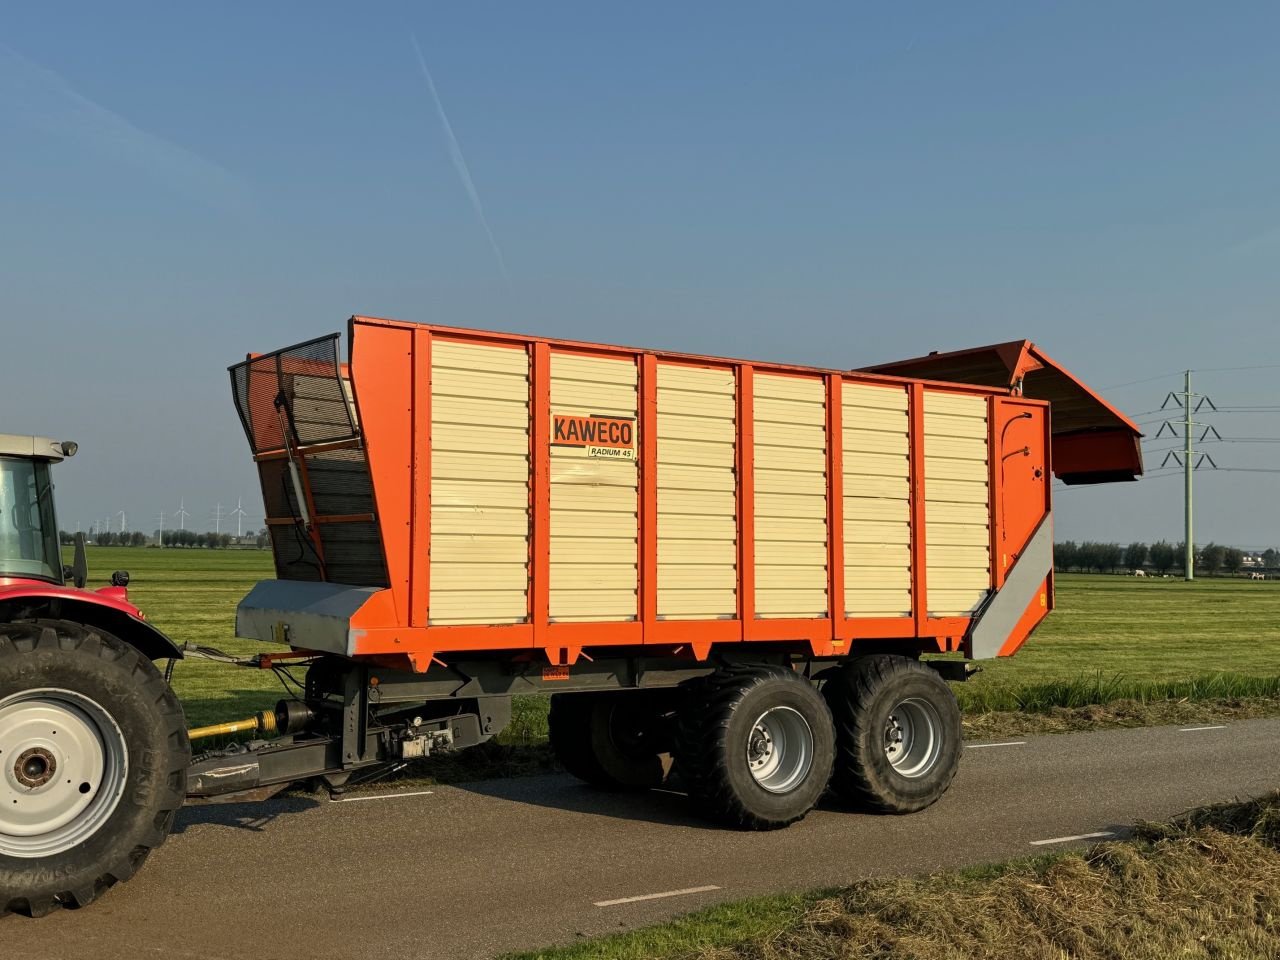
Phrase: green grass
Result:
[191,595]
[1205,885]
[1110,639]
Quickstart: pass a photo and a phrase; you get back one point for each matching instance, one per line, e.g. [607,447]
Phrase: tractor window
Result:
[28,533]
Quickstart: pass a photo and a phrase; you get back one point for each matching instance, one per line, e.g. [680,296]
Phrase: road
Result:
[472,870]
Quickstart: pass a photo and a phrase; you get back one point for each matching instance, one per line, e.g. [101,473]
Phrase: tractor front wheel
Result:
[93,761]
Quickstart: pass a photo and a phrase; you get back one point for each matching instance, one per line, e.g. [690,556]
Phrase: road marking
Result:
[1078,836]
[983,746]
[655,896]
[385,796]
[1220,726]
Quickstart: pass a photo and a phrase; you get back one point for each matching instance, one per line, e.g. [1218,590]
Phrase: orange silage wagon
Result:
[736,564]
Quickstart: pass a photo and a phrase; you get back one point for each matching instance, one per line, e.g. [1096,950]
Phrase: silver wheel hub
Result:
[780,749]
[63,763]
[913,737]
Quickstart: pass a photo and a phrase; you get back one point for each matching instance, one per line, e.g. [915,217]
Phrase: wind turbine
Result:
[123,519]
[239,514]
[217,518]
[182,514]
[161,537]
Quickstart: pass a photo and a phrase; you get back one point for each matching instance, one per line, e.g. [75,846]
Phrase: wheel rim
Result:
[63,765]
[913,737]
[780,749]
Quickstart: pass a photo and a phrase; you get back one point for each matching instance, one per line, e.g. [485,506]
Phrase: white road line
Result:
[386,796]
[1078,836]
[655,896]
[983,746]
[1220,726]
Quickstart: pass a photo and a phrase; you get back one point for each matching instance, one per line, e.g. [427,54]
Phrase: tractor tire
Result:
[897,733]
[93,763]
[609,740]
[754,746]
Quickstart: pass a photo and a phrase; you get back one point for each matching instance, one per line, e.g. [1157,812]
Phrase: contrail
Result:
[459,161]
[35,96]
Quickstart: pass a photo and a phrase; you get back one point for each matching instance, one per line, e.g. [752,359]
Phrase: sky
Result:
[835,184]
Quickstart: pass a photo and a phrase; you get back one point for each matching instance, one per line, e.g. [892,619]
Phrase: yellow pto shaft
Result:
[264,722]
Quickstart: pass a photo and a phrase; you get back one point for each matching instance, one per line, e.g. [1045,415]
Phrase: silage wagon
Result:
[732,568]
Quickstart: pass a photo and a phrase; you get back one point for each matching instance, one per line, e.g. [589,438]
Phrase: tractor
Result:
[93,742]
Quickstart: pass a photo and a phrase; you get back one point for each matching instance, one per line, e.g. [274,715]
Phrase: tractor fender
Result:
[148,640]
[108,611]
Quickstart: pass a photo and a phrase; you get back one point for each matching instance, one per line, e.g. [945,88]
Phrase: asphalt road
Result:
[472,870]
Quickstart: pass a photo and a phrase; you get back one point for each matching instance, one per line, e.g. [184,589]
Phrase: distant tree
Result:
[1180,556]
[1211,557]
[1066,555]
[1087,556]
[137,539]
[1110,556]
[1162,555]
[1270,558]
[261,539]
[1232,560]
[1135,555]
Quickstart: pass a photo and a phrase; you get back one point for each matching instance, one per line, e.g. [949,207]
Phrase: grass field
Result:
[1111,638]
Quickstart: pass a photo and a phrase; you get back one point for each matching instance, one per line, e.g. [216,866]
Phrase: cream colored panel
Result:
[697,493]
[694,575]
[877,510]
[878,442]
[874,532]
[957,502]
[680,476]
[480,607]
[594,501]
[790,479]
[456,355]
[481,465]
[463,549]
[881,555]
[471,410]
[480,384]
[776,603]
[812,507]
[864,602]
[467,438]
[870,397]
[479,483]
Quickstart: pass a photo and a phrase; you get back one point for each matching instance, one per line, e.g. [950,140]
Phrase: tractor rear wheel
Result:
[93,763]
[754,746]
[610,740]
[897,733]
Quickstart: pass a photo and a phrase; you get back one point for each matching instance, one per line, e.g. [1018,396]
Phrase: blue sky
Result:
[835,184]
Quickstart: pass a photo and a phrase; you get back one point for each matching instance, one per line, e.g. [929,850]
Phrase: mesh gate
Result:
[299,393]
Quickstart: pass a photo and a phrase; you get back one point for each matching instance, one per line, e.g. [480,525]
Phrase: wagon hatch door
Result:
[1093,442]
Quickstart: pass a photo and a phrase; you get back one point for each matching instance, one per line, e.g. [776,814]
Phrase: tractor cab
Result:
[29,548]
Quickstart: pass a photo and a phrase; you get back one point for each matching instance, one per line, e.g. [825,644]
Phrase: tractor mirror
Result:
[80,564]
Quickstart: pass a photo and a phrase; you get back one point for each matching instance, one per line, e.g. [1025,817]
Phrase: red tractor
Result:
[93,743]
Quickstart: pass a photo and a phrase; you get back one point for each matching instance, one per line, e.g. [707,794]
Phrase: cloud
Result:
[47,102]
[459,161]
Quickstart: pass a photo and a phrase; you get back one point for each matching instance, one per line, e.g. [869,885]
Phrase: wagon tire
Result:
[754,746]
[124,737]
[898,737]
[609,740]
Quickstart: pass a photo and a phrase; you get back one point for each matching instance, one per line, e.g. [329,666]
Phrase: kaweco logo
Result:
[609,437]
